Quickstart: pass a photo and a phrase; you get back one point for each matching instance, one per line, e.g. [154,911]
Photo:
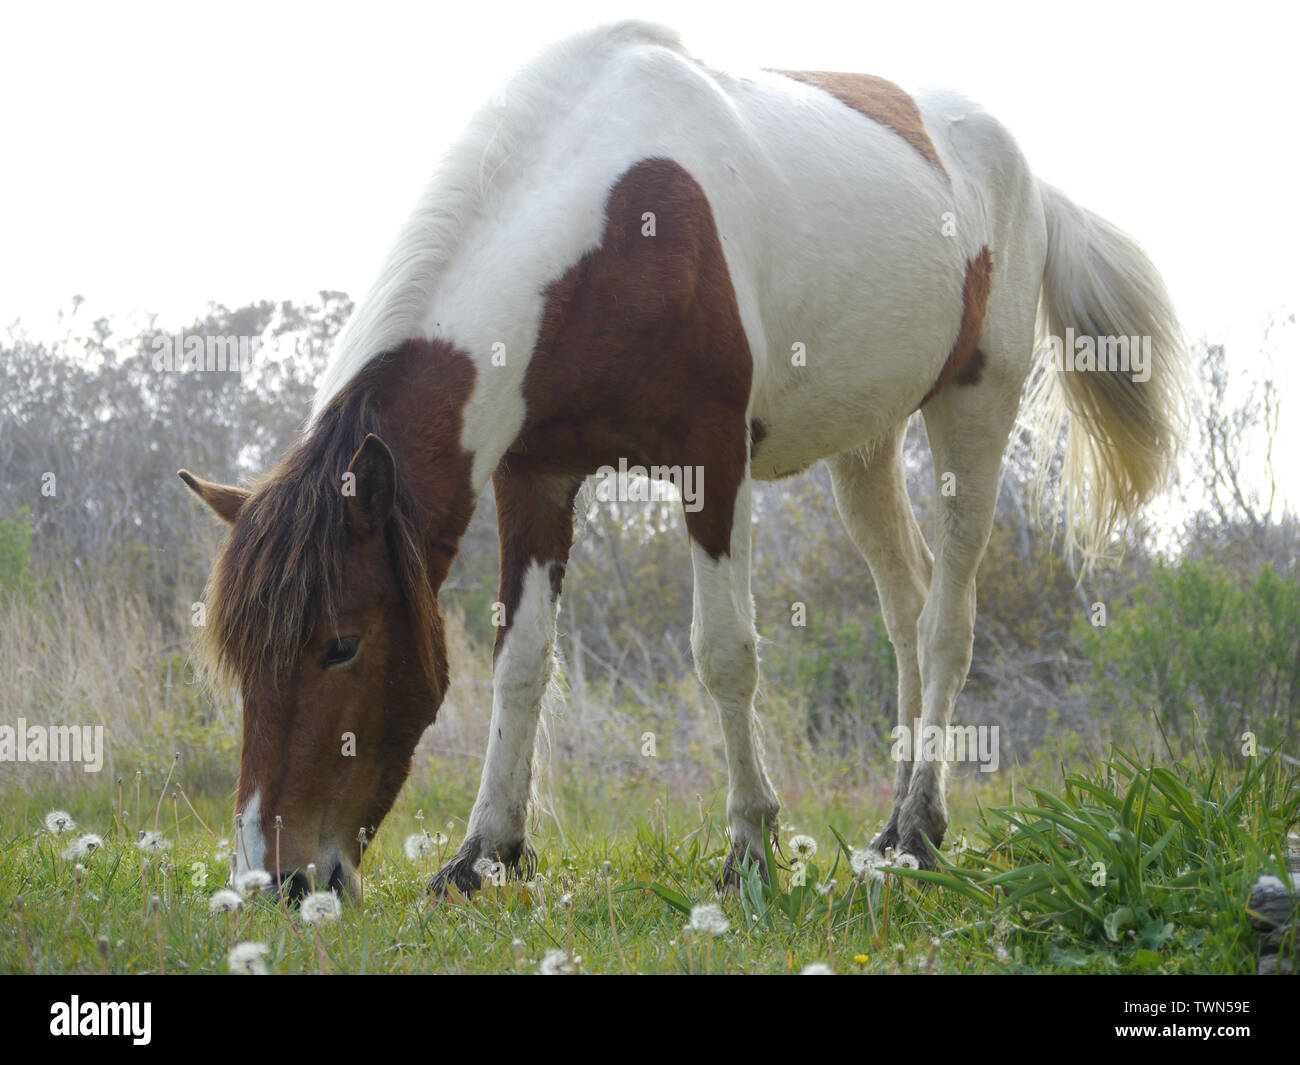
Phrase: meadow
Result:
[1117,867]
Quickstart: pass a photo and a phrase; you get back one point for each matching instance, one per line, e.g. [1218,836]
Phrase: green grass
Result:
[1179,846]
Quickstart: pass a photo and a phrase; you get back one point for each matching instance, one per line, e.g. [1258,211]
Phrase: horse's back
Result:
[847,224]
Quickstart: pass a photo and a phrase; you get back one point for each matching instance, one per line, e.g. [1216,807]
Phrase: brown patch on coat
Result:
[641,353]
[534,524]
[880,100]
[965,362]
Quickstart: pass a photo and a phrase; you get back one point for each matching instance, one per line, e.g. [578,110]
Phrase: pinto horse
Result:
[631,256]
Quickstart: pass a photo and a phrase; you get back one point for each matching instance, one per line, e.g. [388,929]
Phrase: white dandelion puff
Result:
[491,872]
[252,881]
[249,959]
[817,968]
[709,919]
[439,839]
[59,823]
[83,846]
[803,847]
[225,901]
[907,861]
[152,842]
[558,963]
[320,907]
[866,864]
[419,845]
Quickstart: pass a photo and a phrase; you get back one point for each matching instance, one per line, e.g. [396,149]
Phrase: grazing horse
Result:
[631,256]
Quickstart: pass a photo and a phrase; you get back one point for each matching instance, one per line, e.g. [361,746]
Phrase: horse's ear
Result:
[225,499]
[372,489]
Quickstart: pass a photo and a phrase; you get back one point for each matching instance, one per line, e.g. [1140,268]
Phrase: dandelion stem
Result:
[22,930]
[158,936]
[163,794]
[194,811]
[613,927]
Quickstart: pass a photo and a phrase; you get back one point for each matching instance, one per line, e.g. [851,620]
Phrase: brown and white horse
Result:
[632,256]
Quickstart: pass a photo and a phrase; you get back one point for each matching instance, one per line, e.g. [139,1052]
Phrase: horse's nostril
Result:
[338,881]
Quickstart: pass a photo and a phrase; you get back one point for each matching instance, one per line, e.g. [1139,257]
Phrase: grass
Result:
[1018,890]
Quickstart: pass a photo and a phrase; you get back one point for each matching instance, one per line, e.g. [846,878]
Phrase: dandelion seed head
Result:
[803,847]
[866,864]
[709,919]
[320,907]
[817,968]
[558,963]
[419,845]
[225,901]
[252,881]
[83,846]
[907,861]
[59,822]
[249,959]
[152,842]
[492,872]
[440,839]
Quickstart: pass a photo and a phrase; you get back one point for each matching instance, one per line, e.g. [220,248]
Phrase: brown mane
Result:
[280,570]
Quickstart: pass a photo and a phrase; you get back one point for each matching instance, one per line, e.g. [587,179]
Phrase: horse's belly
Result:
[788,441]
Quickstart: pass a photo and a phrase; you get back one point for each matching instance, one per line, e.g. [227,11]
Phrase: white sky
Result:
[157,157]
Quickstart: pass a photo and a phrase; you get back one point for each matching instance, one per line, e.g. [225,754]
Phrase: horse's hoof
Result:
[737,860]
[465,871]
[918,845]
[888,839]
[458,873]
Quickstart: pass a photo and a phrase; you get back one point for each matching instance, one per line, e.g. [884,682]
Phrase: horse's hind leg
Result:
[968,427]
[535,524]
[725,645]
[871,496]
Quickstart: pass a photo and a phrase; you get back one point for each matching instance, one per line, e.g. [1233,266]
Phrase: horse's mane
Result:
[280,570]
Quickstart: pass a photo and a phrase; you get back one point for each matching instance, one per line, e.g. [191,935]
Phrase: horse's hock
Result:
[1273,907]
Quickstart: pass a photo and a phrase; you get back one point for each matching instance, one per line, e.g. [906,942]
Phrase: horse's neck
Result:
[422,399]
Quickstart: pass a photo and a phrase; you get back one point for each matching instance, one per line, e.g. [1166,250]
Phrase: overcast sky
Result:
[157,157]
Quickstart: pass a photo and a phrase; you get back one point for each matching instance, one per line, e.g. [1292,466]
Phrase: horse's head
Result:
[319,607]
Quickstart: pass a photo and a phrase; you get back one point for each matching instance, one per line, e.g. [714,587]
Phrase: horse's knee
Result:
[727,666]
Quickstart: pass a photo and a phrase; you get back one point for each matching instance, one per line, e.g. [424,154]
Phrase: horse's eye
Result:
[341,652]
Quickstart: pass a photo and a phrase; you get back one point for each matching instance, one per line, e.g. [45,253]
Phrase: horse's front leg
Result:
[535,523]
[725,646]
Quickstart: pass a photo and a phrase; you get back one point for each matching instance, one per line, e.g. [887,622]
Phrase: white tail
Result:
[1121,435]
